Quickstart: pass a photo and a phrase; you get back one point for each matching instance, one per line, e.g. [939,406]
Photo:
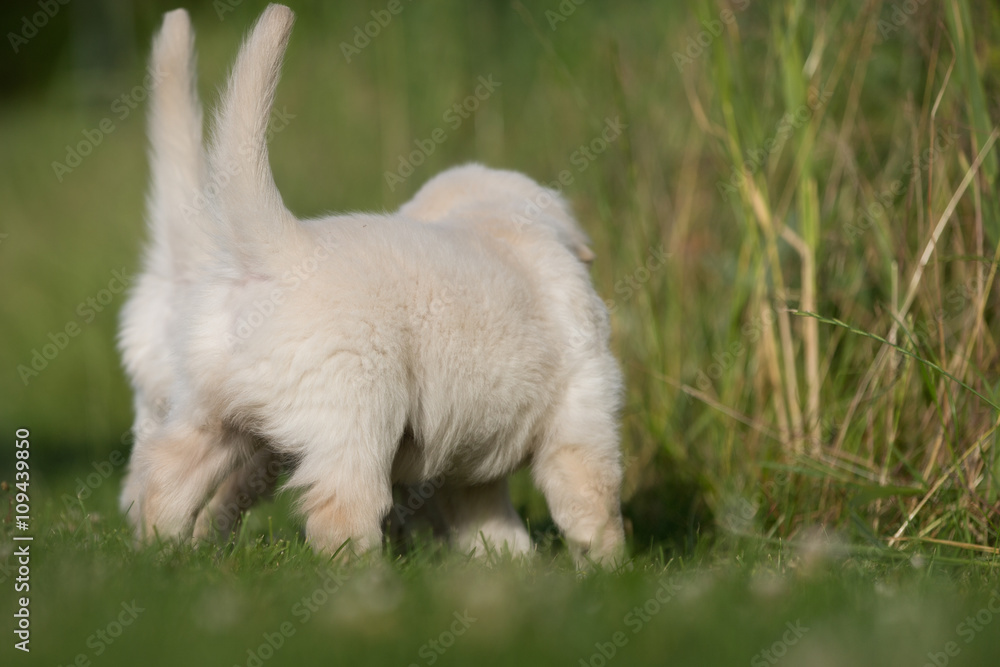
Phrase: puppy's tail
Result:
[250,218]
[177,162]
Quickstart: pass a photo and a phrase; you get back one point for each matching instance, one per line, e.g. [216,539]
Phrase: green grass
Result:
[781,165]
[723,606]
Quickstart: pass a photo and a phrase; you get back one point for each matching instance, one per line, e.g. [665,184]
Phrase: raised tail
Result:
[177,161]
[247,209]
[178,244]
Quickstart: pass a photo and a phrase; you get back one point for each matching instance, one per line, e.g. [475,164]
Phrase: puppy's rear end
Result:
[332,384]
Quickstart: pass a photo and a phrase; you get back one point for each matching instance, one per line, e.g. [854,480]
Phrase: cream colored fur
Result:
[460,338]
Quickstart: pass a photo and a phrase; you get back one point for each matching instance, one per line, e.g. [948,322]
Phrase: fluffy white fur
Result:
[459,338]
[178,247]
[177,171]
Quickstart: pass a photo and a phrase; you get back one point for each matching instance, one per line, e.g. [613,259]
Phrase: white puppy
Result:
[460,338]
[178,244]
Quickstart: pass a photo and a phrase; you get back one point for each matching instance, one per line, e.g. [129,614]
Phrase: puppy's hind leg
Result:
[345,465]
[481,518]
[181,465]
[236,494]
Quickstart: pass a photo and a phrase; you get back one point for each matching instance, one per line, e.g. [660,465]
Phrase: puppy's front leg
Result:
[181,465]
[582,485]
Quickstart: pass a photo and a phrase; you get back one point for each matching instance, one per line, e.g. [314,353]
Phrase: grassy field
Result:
[794,211]
[267,600]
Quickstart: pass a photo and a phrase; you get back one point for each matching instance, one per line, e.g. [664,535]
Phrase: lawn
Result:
[795,216]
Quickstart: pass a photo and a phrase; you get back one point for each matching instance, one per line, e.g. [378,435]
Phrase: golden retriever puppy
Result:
[459,339]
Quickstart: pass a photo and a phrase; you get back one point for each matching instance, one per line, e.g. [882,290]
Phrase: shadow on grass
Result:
[669,512]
